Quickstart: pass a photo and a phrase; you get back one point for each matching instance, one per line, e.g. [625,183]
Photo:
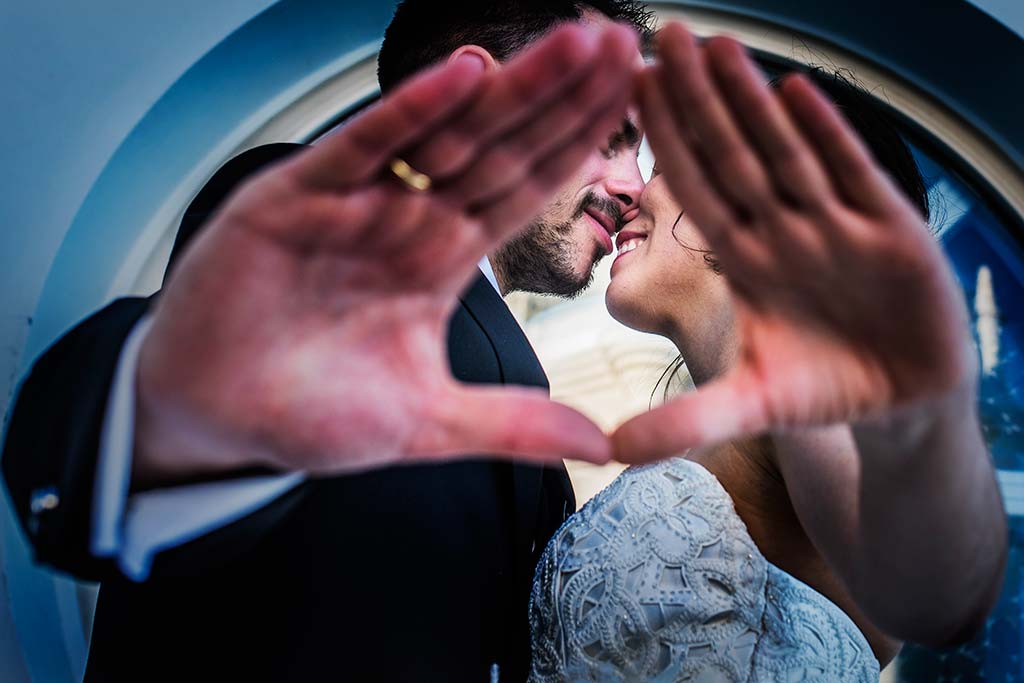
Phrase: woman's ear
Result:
[490,63]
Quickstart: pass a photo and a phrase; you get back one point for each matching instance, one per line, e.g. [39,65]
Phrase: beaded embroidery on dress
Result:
[657,579]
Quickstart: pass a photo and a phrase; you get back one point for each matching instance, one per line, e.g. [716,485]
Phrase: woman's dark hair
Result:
[424,32]
[876,128]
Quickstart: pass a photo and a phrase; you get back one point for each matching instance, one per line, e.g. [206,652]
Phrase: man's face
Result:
[557,252]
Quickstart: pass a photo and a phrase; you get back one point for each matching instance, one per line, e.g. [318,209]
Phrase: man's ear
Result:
[490,63]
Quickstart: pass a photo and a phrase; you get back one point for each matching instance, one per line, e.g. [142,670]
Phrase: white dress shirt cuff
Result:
[135,529]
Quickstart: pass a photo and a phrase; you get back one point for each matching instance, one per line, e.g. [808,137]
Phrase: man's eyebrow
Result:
[628,135]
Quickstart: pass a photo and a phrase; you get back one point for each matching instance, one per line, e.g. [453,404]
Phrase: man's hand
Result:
[845,305]
[305,329]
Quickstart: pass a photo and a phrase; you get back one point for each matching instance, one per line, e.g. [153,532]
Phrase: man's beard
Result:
[542,258]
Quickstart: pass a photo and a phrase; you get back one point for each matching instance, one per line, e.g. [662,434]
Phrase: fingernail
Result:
[589,32]
[596,450]
[471,58]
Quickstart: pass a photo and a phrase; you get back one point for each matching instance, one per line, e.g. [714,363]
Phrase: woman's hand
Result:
[847,312]
[305,327]
[845,305]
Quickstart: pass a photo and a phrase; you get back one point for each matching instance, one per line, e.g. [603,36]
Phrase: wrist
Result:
[921,426]
[170,449]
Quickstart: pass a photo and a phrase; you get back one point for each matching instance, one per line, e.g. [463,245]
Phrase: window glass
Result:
[982,238]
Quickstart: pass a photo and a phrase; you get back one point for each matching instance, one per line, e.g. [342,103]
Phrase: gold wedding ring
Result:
[413,179]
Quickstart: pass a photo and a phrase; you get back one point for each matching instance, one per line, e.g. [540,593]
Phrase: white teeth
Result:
[630,245]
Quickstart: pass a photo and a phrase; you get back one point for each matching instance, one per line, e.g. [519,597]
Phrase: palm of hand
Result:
[299,311]
[291,309]
[874,322]
[306,326]
[844,305]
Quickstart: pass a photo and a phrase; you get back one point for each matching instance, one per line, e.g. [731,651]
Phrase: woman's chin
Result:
[625,305]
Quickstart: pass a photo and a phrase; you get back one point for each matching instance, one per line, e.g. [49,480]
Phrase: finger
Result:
[516,422]
[849,162]
[402,219]
[439,253]
[359,151]
[794,168]
[516,92]
[431,243]
[499,168]
[680,167]
[715,413]
[308,220]
[450,250]
[502,216]
[741,252]
[750,263]
[700,111]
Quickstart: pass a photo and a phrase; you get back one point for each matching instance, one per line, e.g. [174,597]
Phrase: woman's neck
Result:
[709,347]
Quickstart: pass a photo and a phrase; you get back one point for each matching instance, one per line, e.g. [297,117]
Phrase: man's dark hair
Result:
[425,32]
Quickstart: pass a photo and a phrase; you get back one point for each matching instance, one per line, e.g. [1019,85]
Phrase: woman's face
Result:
[662,281]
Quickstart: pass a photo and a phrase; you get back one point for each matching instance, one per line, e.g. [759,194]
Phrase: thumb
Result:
[518,422]
[724,409]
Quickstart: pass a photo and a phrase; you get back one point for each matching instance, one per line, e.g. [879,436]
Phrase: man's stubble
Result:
[543,257]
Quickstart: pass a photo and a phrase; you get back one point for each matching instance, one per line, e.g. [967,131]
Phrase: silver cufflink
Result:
[43,500]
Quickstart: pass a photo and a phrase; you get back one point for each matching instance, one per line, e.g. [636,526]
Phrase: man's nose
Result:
[625,186]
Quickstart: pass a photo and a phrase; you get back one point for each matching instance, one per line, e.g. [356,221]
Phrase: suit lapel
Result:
[519,365]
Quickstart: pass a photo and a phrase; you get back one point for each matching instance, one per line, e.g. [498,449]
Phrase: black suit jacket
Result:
[408,573]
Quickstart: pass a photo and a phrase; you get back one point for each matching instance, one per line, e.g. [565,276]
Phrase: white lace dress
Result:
[657,579]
